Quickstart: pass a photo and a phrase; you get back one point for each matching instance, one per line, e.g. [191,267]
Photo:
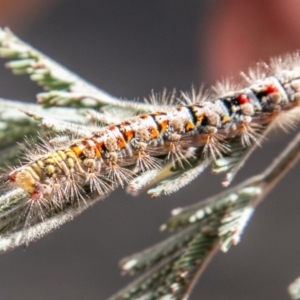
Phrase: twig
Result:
[201,269]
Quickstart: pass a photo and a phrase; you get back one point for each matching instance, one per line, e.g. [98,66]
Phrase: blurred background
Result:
[129,48]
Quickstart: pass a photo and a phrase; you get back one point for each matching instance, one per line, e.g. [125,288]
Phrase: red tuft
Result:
[36,195]
[243,99]
[12,177]
[272,89]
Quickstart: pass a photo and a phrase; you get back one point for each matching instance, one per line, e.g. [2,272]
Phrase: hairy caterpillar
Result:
[202,127]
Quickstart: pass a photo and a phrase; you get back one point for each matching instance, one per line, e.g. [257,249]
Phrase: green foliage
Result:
[171,268]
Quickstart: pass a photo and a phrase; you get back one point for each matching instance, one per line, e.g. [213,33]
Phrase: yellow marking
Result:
[62,154]
[95,147]
[126,130]
[50,169]
[97,153]
[58,161]
[50,161]
[199,115]
[226,119]
[36,168]
[70,162]
[153,132]
[144,116]
[25,181]
[40,164]
[189,126]
[71,154]
[121,142]
[98,149]
[75,149]
[200,118]
[33,173]
[65,168]
[129,134]
[163,124]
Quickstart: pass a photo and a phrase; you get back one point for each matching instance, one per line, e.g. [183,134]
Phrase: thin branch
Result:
[201,269]
[41,68]
[225,215]
[14,111]
[281,165]
[66,88]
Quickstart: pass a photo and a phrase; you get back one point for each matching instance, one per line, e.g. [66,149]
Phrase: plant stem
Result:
[201,269]
[280,166]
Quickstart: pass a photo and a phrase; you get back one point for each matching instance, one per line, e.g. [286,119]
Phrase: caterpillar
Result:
[201,126]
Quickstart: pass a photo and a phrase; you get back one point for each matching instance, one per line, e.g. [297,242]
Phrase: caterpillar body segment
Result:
[115,154]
